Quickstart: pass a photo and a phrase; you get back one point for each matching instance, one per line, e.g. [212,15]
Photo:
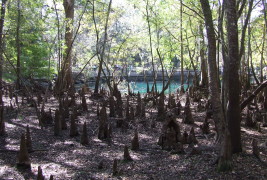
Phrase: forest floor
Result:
[65,158]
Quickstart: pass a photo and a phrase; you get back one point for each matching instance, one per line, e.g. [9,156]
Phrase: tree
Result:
[18,44]
[101,51]
[213,76]
[65,79]
[233,113]
[219,118]
[181,46]
[2,20]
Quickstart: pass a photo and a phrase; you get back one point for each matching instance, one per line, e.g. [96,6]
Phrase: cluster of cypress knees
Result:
[170,139]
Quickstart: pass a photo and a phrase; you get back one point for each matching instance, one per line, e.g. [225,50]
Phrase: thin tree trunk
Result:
[102,54]
[233,114]
[154,86]
[2,19]
[218,115]
[248,58]
[18,44]
[181,45]
[243,35]
[58,46]
[203,62]
[262,54]
[224,90]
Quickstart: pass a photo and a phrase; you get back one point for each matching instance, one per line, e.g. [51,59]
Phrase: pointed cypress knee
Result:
[192,137]
[2,122]
[73,127]
[23,156]
[57,127]
[111,107]
[62,116]
[255,148]
[138,106]
[84,137]
[28,139]
[103,126]
[115,167]
[51,177]
[97,110]
[126,155]
[40,175]
[135,141]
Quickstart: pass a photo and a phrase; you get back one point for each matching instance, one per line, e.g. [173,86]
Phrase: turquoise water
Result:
[142,86]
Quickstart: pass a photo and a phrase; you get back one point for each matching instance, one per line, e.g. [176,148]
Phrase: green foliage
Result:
[34,47]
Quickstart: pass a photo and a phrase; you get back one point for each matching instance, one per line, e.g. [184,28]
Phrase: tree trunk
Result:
[224,90]
[18,45]
[2,19]
[262,54]
[182,46]
[65,80]
[67,58]
[102,54]
[233,108]
[218,115]
[154,86]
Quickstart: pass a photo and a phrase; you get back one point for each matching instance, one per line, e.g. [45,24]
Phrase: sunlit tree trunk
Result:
[203,62]
[67,58]
[65,79]
[154,86]
[102,53]
[262,54]
[218,115]
[182,46]
[264,4]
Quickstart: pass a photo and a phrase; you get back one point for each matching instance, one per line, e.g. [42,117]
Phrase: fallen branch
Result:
[253,95]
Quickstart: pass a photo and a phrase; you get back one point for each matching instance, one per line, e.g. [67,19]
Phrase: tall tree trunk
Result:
[250,57]
[264,4]
[154,86]
[233,114]
[102,53]
[67,58]
[224,90]
[247,57]
[18,45]
[2,19]
[218,115]
[262,54]
[203,62]
[182,46]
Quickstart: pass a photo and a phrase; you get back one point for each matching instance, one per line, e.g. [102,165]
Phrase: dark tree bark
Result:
[218,115]
[18,68]
[233,114]
[2,19]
